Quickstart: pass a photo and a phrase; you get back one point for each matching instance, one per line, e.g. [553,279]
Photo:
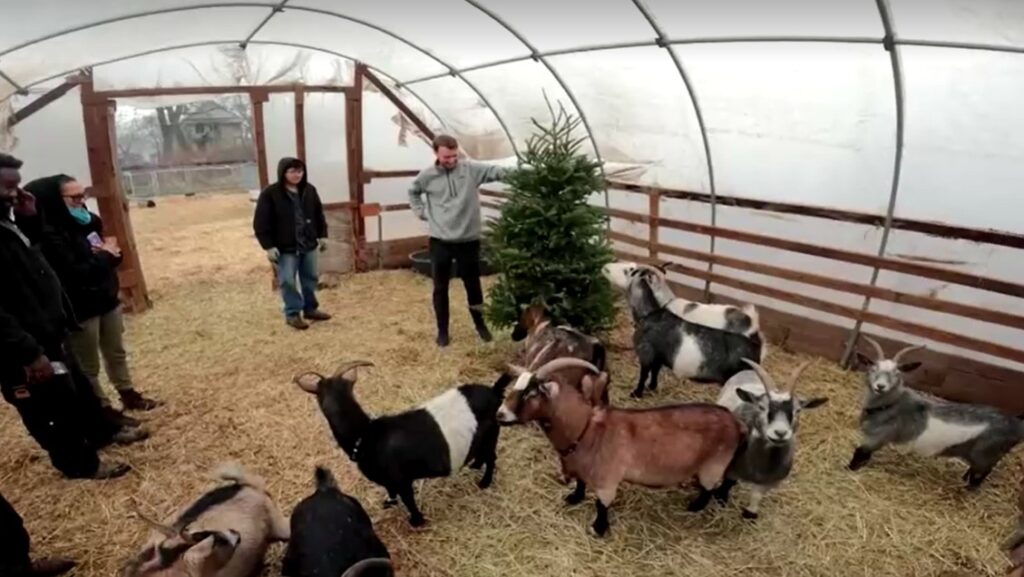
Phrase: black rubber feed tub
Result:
[421,264]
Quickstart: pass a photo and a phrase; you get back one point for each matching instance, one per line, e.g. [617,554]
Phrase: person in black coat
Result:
[15,546]
[37,375]
[289,224]
[86,264]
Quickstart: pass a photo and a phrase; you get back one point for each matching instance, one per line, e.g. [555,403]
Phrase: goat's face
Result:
[884,376]
[778,413]
[619,273]
[529,401]
[529,319]
[189,554]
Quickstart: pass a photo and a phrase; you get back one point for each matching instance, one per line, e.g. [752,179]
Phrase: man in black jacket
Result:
[290,226]
[37,375]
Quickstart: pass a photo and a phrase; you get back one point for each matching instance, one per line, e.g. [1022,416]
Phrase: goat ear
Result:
[748,397]
[863,360]
[813,403]
[908,367]
[549,388]
[309,382]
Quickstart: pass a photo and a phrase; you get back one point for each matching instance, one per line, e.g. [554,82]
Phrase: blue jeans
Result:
[304,266]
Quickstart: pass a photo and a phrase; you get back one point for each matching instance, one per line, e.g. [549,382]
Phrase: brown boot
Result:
[317,316]
[135,401]
[120,418]
[51,567]
[297,323]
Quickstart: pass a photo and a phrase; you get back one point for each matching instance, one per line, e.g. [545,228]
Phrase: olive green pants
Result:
[103,335]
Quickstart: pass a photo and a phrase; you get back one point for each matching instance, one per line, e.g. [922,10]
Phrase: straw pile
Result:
[217,350]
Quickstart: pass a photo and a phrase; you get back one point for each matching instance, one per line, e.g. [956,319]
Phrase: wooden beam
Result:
[371,175]
[300,122]
[987,236]
[212,90]
[420,125]
[354,146]
[44,100]
[839,285]
[259,129]
[101,142]
[654,210]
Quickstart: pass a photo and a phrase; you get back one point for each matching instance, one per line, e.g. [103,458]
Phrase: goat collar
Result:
[868,411]
[575,444]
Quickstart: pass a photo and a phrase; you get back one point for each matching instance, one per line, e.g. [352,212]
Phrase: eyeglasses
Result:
[75,197]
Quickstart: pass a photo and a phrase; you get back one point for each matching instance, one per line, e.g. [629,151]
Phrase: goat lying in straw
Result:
[604,446]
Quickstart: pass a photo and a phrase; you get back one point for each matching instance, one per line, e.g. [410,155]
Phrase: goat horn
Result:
[905,350]
[517,370]
[766,379]
[345,367]
[878,348]
[371,563]
[791,386]
[654,269]
[159,527]
[539,356]
[563,363]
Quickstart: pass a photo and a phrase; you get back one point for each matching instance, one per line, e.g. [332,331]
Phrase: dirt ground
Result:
[215,348]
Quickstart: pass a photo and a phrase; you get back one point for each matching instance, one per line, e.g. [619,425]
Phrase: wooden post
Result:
[654,210]
[354,144]
[101,142]
[300,122]
[257,99]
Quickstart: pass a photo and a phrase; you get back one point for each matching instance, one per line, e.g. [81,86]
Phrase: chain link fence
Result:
[146,183]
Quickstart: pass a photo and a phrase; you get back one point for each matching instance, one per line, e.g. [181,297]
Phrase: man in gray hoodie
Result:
[445,196]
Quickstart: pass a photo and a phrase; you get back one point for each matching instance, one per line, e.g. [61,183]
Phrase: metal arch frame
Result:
[19,89]
[273,12]
[536,55]
[885,12]
[256,42]
[452,71]
[661,40]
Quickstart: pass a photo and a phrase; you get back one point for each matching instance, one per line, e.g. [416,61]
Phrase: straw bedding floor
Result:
[215,349]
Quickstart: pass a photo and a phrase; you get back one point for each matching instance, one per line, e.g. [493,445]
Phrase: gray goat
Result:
[895,414]
[772,418]
[693,351]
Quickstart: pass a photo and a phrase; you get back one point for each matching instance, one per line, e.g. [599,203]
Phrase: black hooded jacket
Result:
[275,222]
[89,278]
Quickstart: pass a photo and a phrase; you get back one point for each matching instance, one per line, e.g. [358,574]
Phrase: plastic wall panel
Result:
[115,40]
[452,29]
[681,19]
[634,122]
[811,124]
[997,262]
[573,23]
[377,49]
[964,154]
[6,88]
[225,65]
[279,131]
[382,147]
[326,145]
[400,224]
[52,140]
[521,92]
[999,22]
[467,117]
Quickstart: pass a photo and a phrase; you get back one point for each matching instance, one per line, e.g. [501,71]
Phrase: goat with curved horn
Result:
[795,376]
[348,366]
[564,363]
[766,379]
[879,353]
[905,350]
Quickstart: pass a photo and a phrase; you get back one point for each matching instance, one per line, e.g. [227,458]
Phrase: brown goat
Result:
[603,446]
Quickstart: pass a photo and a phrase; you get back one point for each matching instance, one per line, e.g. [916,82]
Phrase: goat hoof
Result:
[417,522]
[748,514]
[484,483]
[574,498]
[636,395]
[599,529]
[389,503]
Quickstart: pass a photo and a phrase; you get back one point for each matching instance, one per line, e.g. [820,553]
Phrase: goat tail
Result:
[235,472]
[501,384]
[325,480]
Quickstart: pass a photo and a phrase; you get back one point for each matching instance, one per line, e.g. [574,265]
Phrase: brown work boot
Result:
[297,323]
[110,471]
[130,436]
[135,401]
[316,316]
[120,418]
[51,567]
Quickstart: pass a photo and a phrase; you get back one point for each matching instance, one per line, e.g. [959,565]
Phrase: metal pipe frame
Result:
[885,11]
[661,40]
[273,12]
[565,87]
[19,89]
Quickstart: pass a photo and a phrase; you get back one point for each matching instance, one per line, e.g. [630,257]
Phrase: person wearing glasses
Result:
[86,263]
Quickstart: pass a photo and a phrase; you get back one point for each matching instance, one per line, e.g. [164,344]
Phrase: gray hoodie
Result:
[448,199]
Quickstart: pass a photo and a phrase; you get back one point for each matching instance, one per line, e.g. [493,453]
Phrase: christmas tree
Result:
[548,245]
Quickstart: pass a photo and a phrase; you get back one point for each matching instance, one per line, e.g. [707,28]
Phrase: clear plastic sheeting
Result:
[225,65]
[351,39]
[964,152]
[279,131]
[468,118]
[326,145]
[432,24]
[688,19]
[68,52]
[787,122]
[995,22]
[660,131]
[53,141]
[569,24]
[390,142]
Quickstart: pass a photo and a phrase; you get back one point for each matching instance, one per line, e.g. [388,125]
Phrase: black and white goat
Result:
[771,416]
[223,533]
[693,351]
[743,320]
[434,439]
[331,533]
[895,414]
